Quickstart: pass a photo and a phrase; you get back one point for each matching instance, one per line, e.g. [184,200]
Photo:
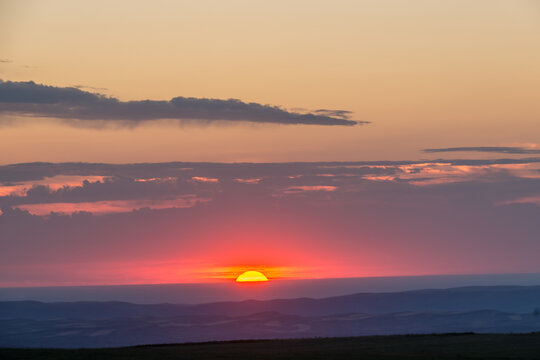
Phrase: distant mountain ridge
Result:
[513,299]
[518,299]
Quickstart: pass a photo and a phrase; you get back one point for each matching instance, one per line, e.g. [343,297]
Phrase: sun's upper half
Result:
[251,276]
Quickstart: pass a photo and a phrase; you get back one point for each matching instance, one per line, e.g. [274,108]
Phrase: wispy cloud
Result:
[75,104]
[109,207]
[488,149]
[41,188]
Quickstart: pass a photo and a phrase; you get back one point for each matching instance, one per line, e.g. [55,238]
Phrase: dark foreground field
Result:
[447,346]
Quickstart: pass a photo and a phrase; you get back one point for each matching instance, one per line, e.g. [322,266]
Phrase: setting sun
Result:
[251,276]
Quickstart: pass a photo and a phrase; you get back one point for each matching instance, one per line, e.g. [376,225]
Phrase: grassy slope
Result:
[451,346]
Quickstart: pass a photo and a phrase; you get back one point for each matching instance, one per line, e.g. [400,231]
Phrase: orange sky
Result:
[427,74]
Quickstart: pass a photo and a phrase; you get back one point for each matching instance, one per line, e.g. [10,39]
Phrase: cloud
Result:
[108,207]
[15,173]
[55,190]
[5,61]
[75,104]
[83,87]
[157,183]
[488,149]
[342,114]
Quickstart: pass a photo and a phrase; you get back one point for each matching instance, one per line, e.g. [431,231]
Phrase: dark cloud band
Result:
[72,103]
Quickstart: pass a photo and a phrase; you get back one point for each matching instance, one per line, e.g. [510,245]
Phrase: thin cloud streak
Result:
[488,149]
[76,105]
[109,207]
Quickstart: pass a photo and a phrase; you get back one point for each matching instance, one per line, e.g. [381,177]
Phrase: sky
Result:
[185,141]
